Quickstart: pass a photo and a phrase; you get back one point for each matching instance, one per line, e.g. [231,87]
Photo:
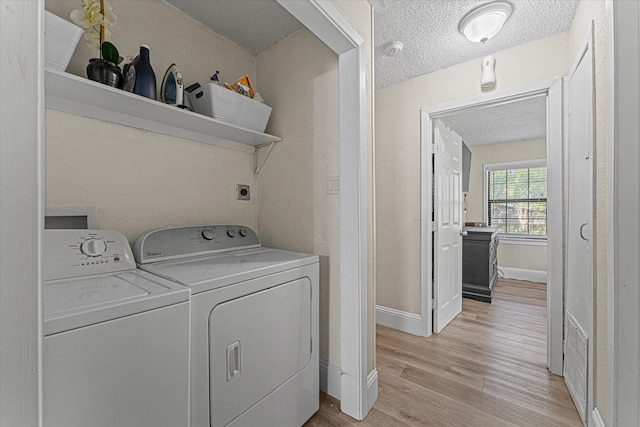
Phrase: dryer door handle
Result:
[233,361]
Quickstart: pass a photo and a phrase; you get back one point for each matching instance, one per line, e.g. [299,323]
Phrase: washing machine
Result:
[116,339]
[254,323]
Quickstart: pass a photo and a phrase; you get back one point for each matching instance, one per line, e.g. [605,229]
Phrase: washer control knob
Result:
[243,232]
[208,233]
[231,233]
[93,247]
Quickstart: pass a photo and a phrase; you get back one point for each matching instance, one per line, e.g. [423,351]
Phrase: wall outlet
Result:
[243,192]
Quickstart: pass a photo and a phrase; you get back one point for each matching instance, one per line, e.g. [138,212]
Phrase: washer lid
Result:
[75,303]
[215,271]
[89,292]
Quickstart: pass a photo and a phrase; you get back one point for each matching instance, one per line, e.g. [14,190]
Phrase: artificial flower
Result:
[97,23]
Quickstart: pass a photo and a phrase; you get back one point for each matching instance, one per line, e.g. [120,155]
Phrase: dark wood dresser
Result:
[479,262]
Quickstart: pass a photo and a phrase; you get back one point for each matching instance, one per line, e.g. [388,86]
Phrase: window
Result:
[517,198]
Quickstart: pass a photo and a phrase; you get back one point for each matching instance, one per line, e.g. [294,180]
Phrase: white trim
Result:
[494,98]
[403,321]
[426,207]
[552,89]
[523,274]
[330,383]
[555,229]
[325,22]
[372,389]
[22,137]
[330,379]
[506,239]
[517,164]
[353,238]
[597,419]
[623,203]
[612,98]
[323,19]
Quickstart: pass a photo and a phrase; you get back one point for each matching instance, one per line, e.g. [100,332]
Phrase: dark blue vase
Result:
[145,83]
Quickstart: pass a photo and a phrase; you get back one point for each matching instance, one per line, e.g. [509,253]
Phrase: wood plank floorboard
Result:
[486,368]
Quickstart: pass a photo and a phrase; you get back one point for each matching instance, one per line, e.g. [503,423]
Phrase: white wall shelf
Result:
[76,95]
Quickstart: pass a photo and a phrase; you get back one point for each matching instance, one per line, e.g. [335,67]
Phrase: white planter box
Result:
[60,41]
[223,104]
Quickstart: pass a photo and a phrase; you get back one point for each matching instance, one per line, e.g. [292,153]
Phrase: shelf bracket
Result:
[256,173]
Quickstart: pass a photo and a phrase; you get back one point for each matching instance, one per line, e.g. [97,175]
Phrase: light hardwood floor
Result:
[487,368]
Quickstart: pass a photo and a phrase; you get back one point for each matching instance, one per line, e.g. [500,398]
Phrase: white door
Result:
[579,232]
[447,230]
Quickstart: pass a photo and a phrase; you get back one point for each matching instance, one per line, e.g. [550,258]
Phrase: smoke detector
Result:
[391,49]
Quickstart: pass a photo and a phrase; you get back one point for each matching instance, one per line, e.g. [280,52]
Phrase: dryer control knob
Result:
[243,232]
[208,233]
[93,247]
[231,233]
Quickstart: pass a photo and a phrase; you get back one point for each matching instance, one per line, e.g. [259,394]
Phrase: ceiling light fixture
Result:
[485,21]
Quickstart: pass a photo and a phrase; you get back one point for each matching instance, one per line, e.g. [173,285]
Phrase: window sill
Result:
[519,240]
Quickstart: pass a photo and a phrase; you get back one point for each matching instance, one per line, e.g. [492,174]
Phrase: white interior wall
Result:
[520,256]
[140,180]
[398,153]
[294,210]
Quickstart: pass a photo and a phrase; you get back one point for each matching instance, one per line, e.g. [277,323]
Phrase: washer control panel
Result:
[173,243]
[77,253]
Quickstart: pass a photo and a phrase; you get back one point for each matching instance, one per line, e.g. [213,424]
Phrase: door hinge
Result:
[434,303]
[434,148]
[434,226]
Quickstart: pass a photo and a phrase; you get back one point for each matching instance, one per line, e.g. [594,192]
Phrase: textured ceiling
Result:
[429,31]
[252,24]
[521,120]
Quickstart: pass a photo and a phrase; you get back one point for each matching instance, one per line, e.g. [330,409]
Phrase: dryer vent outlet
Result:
[243,192]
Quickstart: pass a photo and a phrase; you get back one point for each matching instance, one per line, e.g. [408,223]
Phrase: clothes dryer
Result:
[116,339]
[254,323]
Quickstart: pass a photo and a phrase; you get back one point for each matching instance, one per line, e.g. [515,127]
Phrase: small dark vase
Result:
[145,83]
[105,72]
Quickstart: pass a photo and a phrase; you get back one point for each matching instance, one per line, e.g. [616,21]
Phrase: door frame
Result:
[358,389]
[552,89]
[21,210]
[623,204]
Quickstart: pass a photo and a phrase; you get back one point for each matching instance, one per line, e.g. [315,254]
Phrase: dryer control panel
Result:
[181,242]
[76,253]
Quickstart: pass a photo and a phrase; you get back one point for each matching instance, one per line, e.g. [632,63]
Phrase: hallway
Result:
[487,368]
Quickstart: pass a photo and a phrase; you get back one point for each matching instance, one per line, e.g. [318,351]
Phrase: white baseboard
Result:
[401,320]
[523,274]
[597,419]
[330,377]
[372,389]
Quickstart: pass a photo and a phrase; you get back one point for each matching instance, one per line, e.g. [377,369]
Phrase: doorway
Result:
[551,91]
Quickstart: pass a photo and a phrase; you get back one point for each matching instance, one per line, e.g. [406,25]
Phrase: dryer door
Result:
[256,343]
